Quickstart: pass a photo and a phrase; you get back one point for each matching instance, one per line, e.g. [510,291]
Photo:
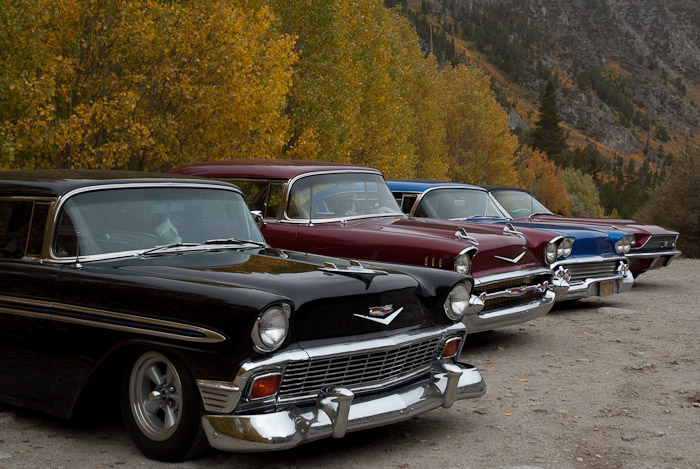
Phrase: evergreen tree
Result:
[547,136]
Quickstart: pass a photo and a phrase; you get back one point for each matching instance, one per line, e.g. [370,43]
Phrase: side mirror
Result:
[258,217]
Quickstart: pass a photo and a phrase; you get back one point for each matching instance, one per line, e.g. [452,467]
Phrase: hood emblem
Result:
[514,260]
[381,314]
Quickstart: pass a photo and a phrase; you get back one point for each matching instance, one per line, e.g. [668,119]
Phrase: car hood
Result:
[589,241]
[497,251]
[623,224]
[326,304]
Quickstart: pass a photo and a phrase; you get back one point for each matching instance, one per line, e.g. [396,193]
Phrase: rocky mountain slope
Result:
[627,71]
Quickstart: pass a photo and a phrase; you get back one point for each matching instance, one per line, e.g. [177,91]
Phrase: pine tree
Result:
[547,136]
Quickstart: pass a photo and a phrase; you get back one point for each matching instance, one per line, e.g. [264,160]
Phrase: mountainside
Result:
[627,71]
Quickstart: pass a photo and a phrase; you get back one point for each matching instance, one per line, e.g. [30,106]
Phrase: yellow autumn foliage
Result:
[543,178]
[480,146]
[141,85]
[363,93]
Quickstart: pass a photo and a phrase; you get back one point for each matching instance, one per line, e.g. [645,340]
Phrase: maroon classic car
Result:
[653,247]
[348,211]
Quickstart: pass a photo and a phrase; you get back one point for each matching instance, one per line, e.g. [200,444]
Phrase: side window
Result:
[407,203]
[15,220]
[66,241]
[255,193]
[274,200]
[36,235]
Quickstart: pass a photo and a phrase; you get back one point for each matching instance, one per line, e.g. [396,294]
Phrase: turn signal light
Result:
[451,348]
[265,386]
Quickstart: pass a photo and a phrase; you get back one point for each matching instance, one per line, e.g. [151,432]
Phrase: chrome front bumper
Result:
[510,315]
[338,411]
[480,319]
[591,287]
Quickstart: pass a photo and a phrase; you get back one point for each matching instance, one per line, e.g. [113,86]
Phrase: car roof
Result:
[417,185]
[264,168]
[503,188]
[57,182]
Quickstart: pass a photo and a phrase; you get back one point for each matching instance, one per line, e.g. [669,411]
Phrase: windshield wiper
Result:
[234,241]
[166,247]
[544,213]
[474,217]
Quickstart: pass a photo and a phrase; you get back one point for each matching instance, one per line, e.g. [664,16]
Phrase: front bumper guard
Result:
[338,411]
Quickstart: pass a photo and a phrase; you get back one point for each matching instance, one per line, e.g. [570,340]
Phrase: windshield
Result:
[457,204]
[519,204]
[340,196]
[129,219]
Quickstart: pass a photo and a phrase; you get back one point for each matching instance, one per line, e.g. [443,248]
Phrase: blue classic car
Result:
[596,265]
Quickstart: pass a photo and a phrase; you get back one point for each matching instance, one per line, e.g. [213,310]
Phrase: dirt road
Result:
[599,383]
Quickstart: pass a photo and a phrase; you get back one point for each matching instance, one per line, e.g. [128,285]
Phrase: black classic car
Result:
[166,286]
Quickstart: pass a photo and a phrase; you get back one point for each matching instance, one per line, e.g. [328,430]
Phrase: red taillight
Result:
[265,386]
[451,348]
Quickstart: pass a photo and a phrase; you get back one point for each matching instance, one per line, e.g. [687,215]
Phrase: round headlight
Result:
[627,244]
[567,245]
[271,327]
[457,301]
[550,253]
[620,246]
[463,263]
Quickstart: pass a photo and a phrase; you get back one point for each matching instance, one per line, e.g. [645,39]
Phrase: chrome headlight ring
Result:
[462,263]
[271,327]
[457,301]
[551,252]
[624,244]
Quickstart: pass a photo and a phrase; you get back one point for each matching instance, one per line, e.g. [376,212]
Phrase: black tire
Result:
[161,408]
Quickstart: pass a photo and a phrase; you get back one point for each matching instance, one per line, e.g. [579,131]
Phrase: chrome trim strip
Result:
[487,279]
[59,312]
[588,260]
[647,255]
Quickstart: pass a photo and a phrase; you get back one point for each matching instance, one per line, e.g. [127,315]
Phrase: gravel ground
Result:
[600,383]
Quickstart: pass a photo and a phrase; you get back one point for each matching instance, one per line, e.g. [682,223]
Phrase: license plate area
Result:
[607,288]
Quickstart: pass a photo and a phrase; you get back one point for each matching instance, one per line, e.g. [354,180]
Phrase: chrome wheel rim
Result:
[155,392]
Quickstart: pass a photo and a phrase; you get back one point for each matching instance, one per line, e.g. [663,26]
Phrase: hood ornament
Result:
[509,229]
[462,234]
[381,314]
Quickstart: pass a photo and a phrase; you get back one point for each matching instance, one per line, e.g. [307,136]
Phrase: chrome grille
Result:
[359,370]
[659,243]
[519,282]
[581,272]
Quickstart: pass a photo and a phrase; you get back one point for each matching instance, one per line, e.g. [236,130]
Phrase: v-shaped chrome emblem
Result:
[514,260]
[386,321]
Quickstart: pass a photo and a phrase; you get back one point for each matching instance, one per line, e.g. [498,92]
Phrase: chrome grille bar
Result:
[359,370]
[592,270]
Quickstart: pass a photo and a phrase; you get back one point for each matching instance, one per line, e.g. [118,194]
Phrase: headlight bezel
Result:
[274,316]
[551,252]
[623,245]
[457,302]
[462,263]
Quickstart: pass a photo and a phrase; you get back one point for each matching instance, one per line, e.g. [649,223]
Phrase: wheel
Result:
[161,408]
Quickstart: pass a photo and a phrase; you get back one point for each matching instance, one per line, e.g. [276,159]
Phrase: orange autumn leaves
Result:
[142,85]
[152,85]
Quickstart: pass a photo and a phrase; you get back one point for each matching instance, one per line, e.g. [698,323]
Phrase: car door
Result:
[26,293]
